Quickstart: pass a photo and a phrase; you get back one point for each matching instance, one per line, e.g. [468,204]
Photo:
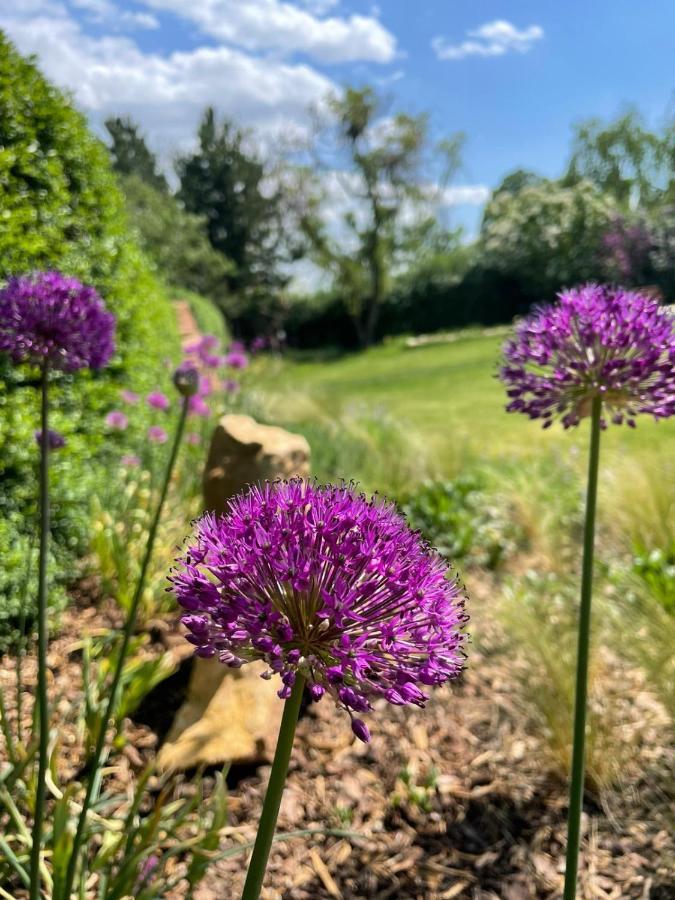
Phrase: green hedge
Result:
[62,209]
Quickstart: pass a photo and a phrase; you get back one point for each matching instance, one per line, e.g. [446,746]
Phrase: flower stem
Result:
[581,691]
[275,788]
[129,625]
[43,636]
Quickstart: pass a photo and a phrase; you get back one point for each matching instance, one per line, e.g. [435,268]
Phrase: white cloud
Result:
[110,75]
[107,12]
[491,39]
[286,28]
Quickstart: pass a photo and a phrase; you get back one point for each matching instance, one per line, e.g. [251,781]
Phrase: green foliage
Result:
[624,160]
[176,241]
[546,236]
[463,521]
[62,209]
[654,570]
[131,155]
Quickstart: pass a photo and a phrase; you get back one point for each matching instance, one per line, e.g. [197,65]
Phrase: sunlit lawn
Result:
[449,393]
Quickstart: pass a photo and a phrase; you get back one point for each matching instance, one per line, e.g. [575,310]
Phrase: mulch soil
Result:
[452,801]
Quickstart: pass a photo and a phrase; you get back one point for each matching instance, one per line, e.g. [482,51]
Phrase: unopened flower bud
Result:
[186,379]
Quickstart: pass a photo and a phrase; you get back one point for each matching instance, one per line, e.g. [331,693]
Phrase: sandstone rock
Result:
[243,452]
[233,714]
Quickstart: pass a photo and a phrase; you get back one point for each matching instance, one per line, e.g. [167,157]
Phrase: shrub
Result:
[62,209]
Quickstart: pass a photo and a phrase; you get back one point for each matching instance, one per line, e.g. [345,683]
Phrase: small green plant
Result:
[413,791]
[463,521]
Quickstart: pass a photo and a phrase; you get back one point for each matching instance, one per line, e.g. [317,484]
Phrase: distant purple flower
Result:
[320,581]
[212,360]
[158,400]
[198,407]
[130,460]
[231,386]
[258,344]
[598,341]
[205,387]
[54,318]
[236,359]
[117,420]
[55,440]
[192,438]
[129,397]
[157,434]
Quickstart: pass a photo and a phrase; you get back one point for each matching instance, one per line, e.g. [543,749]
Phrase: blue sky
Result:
[513,76]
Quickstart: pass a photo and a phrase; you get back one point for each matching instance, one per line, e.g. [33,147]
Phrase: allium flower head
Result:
[236,358]
[55,440]
[157,434]
[598,341]
[186,379]
[158,400]
[129,460]
[129,397]
[49,317]
[321,581]
[197,406]
[117,420]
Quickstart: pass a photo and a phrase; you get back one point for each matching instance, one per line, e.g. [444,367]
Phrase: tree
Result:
[547,236]
[625,160]
[241,201]
[176,241]
[371,170]
[130,154]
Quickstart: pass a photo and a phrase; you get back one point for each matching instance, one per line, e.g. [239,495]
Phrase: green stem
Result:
[577,779]
[275,788]
[129,625]
[41,698]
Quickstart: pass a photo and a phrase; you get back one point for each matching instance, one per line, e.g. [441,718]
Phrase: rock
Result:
[233,714]
[243,452]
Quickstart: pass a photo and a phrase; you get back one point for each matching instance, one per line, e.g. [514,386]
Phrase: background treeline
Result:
[360,210]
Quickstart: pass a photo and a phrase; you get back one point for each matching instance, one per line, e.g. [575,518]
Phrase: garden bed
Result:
[451,801]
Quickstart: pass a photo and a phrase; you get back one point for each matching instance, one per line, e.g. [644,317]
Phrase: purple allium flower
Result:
[129,397]
[258,344]
[231,386]
[49,317]
[205,387]
[597,341]
[197,406]
[236,359]
[193,438]
[158,400]
[54,440]
[130,460]
[157,434]
[320,581]
[117,420]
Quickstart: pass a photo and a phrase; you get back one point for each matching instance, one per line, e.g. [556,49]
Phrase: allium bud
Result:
[186,379]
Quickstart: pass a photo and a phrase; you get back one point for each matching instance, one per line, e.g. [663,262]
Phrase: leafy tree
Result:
[130,154]
[241,202]
[373,165]
[546,236]
[623,159]
[176,241]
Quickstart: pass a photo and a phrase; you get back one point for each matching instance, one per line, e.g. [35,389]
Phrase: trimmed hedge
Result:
[62,209]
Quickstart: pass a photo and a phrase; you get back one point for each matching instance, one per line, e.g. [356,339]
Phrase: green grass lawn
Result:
[448,392]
